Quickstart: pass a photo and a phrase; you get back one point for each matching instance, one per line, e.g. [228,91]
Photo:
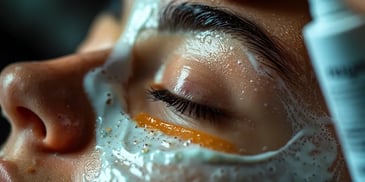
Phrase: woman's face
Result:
[236,72]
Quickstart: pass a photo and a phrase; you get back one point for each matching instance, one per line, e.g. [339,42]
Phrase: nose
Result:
[47,100]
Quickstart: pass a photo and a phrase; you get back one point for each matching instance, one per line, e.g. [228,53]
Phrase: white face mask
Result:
[130,153]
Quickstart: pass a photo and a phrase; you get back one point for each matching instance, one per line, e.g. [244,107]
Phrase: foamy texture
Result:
[129,153]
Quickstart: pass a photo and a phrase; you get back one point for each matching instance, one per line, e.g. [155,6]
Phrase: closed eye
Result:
[186,107]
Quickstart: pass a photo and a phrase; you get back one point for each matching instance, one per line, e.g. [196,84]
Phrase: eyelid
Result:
[185,106]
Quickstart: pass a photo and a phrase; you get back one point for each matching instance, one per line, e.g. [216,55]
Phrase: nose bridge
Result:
[48,98]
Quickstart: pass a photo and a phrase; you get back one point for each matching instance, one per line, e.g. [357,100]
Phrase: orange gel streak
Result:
[197,137]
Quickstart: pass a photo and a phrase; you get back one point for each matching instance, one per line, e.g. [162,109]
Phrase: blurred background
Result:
[42,29]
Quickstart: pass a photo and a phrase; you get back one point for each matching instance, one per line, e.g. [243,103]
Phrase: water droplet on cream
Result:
[152,133]
[108,130]
[166,144]
[145,150]
[187,143]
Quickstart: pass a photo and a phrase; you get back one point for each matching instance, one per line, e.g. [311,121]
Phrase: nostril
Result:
[31,120]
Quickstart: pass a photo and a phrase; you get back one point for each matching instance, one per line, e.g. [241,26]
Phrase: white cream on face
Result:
[129,153]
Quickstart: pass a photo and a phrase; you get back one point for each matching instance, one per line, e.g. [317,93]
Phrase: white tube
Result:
[336,44]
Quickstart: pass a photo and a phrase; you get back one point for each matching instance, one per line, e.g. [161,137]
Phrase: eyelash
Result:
[186,107]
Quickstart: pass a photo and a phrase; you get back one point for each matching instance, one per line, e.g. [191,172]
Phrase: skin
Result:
[44,99]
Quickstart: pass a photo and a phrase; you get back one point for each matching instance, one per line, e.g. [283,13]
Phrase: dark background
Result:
[42,29]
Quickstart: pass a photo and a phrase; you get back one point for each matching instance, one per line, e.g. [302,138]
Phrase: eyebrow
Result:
[188,17]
